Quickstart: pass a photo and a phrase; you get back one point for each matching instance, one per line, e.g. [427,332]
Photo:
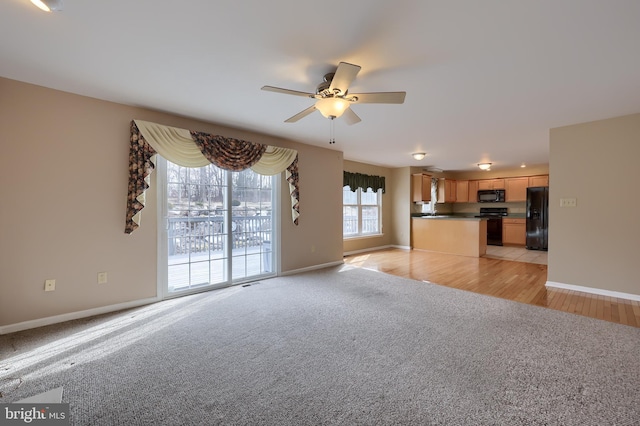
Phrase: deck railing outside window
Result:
[203,234]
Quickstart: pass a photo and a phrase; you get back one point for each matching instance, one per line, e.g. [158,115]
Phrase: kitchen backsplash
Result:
[514,208]
[467,208]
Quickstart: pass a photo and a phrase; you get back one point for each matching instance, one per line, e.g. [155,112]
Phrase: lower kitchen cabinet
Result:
[461,236]
[514,231]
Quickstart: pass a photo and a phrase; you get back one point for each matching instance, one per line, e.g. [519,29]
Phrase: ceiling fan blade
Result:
[301,114]
[378,98]
[343,77]
[351,117]
[287,91]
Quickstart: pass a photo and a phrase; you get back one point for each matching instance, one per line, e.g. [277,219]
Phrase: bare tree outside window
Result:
[217,218]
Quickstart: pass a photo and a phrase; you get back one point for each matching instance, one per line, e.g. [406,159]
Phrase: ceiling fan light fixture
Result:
[332,107]
[419,155]
[48,5]
[485,166]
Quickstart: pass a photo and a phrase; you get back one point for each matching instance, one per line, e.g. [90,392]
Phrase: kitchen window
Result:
[361,212]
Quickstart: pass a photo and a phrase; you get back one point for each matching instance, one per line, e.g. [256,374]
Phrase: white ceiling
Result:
[485,80]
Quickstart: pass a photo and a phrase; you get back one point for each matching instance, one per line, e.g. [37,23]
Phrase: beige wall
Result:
[63,174]
[596,243]
[364,243]
[397,207]
[401,211]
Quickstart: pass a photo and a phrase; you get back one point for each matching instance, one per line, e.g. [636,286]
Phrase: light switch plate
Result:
[568,202]
[102,277]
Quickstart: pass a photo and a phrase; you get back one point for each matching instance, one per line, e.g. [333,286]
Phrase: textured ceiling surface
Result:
[485,80]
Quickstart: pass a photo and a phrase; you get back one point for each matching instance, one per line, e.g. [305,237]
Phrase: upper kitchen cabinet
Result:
[473,191]
[446,190]
[421,184]
[462,191]
[491,184]
[539,180]
[516,189]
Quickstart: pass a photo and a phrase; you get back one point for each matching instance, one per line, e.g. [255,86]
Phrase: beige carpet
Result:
[335,346]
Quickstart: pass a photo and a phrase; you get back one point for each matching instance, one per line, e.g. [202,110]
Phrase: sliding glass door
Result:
[217,227]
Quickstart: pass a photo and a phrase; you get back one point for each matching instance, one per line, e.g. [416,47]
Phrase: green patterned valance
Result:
[358,180]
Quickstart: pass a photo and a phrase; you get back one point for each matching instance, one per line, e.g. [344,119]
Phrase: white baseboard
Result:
[41,322]
[592,290]
[312,268]
[349,253]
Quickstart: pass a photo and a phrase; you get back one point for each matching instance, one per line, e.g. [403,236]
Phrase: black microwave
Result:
[491,196]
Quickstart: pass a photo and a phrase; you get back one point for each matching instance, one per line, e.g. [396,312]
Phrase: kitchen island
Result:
[462,235]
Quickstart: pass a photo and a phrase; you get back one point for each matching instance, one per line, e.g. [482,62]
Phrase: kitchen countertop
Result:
[446,216]
[463,216]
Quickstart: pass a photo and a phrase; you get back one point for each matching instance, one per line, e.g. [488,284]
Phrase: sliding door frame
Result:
[162,237]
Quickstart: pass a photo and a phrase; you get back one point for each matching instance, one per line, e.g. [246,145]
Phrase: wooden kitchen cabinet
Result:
[514,231]
[516,189]
[462,191]
[421,184]
[446,190]
[473,191]
[485,184]
[491,184]
[464,237]
[539,180]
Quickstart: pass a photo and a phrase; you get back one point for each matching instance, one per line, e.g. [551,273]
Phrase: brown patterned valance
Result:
[197,149]
[228,153]
[292,178]
[140,167]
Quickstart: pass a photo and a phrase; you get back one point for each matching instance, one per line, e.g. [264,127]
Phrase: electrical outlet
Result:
[102,277]
[568,202]
[49,285]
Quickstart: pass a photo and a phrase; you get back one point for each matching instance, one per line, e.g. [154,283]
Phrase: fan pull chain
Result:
[332,137]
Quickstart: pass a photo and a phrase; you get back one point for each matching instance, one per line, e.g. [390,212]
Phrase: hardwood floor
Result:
[512,280]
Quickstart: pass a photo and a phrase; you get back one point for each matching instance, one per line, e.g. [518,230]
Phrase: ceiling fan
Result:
[333,98]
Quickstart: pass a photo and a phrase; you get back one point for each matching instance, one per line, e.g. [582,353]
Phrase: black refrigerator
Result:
[537,218]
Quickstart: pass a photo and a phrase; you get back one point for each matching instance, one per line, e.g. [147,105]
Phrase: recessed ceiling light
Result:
[485,166]
[523,165]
